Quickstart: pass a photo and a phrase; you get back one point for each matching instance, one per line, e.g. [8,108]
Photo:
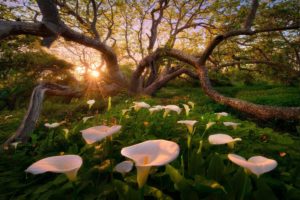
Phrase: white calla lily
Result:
[8,116]
[209,124]
[124,167]
[138,105]
[232,124]
[97,133]
[221,114]
[90,103]
[67,164]
[84,119]
[54,125]
[124,111]
[169,108]
[66,133]
[220,138]
[257,164]
[152,110]
[187,109]
[159,107]
[150,153]
[189,124]
[192,104]
[15,144]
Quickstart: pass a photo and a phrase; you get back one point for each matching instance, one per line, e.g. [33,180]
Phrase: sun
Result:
[94,73]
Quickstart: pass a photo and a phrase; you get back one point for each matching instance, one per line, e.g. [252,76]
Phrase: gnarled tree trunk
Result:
[35,106]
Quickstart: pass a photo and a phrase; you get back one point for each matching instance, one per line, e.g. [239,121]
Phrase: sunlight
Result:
[95,73]
[79,70]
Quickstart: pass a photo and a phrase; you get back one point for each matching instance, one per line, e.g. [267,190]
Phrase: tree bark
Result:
[34,109]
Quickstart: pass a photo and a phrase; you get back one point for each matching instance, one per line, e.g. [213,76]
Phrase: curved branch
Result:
[35,106]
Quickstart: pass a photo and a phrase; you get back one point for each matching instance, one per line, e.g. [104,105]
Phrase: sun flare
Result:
[94,73]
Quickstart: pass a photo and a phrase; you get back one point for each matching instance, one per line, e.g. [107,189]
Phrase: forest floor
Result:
[208,174]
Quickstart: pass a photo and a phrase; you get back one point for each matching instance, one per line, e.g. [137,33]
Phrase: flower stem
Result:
[244,187]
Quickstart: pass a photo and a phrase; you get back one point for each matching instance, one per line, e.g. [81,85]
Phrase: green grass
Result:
[209,175]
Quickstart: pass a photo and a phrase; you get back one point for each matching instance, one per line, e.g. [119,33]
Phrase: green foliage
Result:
[193,175]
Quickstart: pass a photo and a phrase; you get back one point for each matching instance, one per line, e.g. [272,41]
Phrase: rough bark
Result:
[34,109]
[259,111]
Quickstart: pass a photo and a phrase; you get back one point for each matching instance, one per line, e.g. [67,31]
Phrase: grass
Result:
[209,176]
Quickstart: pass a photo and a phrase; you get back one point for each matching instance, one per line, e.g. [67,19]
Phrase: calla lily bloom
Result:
[221,114]
[155,108]
[209,124]
[66,133]
[232,124]
[220,138]
[90,103]
[124,167]
[150,153]
[84,119]
[159,107]
[187,109]
[189,124]
[97,133]
[191,104]
[152,110]
[124,111]
[138,105]
[55,124]
[8,116]
[257,164]
[67,164]
[15,144]
[169,108]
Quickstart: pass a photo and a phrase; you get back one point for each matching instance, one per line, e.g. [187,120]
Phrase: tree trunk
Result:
[258,111]
[35,106]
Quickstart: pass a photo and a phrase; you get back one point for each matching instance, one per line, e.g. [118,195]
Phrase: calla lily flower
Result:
[189,124]
[221,114]
[138,105]
[66,133]
[219,139]
[232,124]
[124,111]
[187,109]
[15,144]
[257,164]
[8,116]
[97,133]
[152,110]
[55,124]
[209,124]
[159,107]
[169,108]
[124,167]
[90,103]
[150,153]
[191,104]
[67,164]
[84,119]
[155,108]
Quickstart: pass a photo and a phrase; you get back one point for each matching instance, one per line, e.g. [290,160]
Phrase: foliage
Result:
[205,175]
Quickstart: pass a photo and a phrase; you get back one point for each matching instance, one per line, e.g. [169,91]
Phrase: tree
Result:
[160,27]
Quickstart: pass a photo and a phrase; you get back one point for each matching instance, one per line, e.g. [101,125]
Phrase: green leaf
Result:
[204,185]
[180,183]
[263,191]
[155,192]
[125,191]
[215,168]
